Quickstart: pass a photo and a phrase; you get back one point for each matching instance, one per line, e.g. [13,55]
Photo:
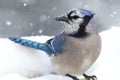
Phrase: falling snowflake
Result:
[33,33]
[31,24]
[40,31]
[43,18]
[86,6]
[8,23]
[113,14]
[54,8]
[25,4]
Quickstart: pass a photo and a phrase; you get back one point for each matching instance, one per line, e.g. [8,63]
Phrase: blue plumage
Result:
[58,44]
[86,12]
[54,46]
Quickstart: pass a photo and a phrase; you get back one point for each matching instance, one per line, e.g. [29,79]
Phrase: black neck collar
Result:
[81,31]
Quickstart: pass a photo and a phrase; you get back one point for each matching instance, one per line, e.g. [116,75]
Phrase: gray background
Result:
[35,17]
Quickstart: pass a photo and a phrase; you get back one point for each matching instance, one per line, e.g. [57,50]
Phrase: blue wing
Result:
[53,46]
[58,43]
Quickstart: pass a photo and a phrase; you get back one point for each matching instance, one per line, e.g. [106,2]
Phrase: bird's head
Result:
[75,19]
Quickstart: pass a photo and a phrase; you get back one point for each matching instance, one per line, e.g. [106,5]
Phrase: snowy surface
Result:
[107,66]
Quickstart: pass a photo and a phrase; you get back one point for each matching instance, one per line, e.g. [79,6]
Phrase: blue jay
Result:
[74,50]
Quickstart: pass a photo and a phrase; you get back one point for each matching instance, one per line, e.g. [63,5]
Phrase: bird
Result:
[75,49]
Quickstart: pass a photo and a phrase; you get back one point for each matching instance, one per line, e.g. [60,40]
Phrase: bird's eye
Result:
[75,17]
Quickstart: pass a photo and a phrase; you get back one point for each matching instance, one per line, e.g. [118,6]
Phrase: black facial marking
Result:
[69,15]
[82,30]
[79,35]
[75,17]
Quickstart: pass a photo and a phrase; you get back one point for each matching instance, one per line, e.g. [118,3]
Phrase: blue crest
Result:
[86,12]
[83,11]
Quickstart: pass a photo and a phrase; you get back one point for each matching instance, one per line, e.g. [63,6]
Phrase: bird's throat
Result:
[81,31]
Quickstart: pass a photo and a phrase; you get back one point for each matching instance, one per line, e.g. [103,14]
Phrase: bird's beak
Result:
[62,18]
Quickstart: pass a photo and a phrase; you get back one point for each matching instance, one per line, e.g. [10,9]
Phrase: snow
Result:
[25,4]
[43,18]
[40,31]
[54,8]
[31,24]
[8,23]
[113,14]
[19,77]
[105,68]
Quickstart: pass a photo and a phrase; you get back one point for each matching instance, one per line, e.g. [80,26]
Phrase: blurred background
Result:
[35,17]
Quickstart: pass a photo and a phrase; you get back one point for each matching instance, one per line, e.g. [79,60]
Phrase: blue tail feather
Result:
[40,46]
